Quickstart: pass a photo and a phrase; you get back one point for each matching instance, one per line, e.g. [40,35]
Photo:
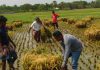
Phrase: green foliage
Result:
[26,7]
[51,6]
[97,4]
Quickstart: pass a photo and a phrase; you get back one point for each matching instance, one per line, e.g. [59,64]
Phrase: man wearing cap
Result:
[36,26]
[71,47]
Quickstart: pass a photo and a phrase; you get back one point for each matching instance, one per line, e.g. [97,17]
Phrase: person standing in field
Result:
[71,47]
[36,27]
[7,46]
[54,19]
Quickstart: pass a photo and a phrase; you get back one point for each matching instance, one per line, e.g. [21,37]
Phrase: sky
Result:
[21,2]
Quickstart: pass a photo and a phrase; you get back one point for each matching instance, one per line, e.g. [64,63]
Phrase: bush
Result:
[63,19]
[71,21]
[80,24]
[17,23]
[93,32]
[42,60]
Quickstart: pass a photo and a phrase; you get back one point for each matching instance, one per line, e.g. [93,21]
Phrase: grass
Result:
[28,17]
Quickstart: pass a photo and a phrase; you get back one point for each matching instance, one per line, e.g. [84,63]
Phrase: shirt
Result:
[4,36]
[54,18]
[36,26]
[70,44]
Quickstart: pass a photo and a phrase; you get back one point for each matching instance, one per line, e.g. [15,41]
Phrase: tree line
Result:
[54,5]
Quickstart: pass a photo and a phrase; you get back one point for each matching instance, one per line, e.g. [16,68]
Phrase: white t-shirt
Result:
[36,26]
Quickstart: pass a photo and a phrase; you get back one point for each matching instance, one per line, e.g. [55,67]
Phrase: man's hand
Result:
[64,67]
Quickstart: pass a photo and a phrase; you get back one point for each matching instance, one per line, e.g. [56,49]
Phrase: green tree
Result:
[97,4]
[54,4]
[26,7]
[79,4]
[64,6]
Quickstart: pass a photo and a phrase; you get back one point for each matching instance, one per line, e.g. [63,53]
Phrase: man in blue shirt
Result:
[71,47]
[5,51]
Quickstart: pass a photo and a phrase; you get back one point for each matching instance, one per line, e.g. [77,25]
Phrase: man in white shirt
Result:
[71,47]
[36,26]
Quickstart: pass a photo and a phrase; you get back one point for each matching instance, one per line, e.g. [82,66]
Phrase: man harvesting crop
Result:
[54,19]
[71,47]
[7,47]
[36,26]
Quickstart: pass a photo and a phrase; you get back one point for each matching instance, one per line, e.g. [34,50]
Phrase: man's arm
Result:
[57,15]
[31,27]
[62,48]
[66,55]
[11,41]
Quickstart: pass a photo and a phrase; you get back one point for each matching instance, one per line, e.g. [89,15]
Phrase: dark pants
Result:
[55,25]
[37,35]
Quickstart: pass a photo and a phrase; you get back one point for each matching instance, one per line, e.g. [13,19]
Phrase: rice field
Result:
[90,57]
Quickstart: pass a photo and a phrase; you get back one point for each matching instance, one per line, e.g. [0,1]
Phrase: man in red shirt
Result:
[54,19]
